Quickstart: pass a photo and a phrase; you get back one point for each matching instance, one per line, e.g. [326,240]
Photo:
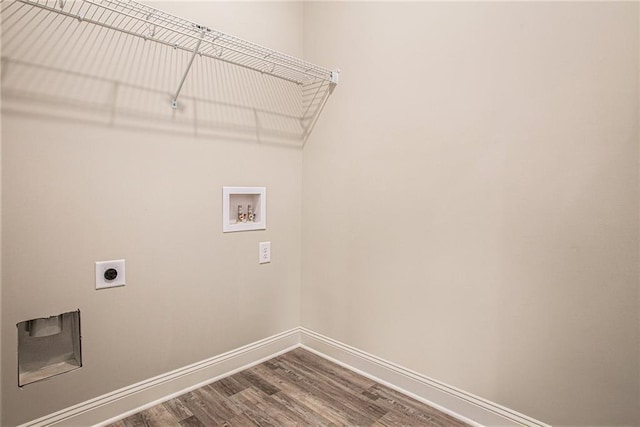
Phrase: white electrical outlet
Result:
[265,252]
[110,274]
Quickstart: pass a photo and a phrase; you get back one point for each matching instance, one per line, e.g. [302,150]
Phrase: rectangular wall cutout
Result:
[244,208]
[48,346]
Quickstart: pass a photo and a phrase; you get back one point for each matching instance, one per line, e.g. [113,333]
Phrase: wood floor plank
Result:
[399,408]
[360,411]
[340,381]
[307,414]
[276,407]
[259,406]
[191,421]
[330,404]
[229,386]
[135,420]
[329,369]
[159,416]
[216,407]
[229,409]
[297,388]
[240,421]
[314,406]
[411,407]
[200,409]
[257,382]
[392,419]
[177,409]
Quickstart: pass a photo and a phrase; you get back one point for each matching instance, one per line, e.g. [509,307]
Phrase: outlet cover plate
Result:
[265,253]
[102,266]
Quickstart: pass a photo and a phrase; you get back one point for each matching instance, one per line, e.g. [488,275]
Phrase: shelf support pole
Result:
[174,101]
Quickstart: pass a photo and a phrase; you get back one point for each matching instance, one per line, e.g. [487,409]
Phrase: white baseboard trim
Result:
[126,401]
[129,400]
[455,402]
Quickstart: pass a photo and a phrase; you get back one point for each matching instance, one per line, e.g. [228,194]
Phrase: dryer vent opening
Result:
[48,346]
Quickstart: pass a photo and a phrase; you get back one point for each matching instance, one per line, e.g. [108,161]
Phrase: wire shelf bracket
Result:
[174,101]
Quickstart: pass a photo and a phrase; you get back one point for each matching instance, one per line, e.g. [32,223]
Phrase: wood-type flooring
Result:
[297,388]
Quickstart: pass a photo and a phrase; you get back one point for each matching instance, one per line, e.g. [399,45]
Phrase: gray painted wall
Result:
[77,190]
[470,198]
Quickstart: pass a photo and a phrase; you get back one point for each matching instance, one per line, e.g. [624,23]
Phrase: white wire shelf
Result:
[153,24]
[133,60]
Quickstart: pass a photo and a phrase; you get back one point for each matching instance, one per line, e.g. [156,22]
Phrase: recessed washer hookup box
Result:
[48,346]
